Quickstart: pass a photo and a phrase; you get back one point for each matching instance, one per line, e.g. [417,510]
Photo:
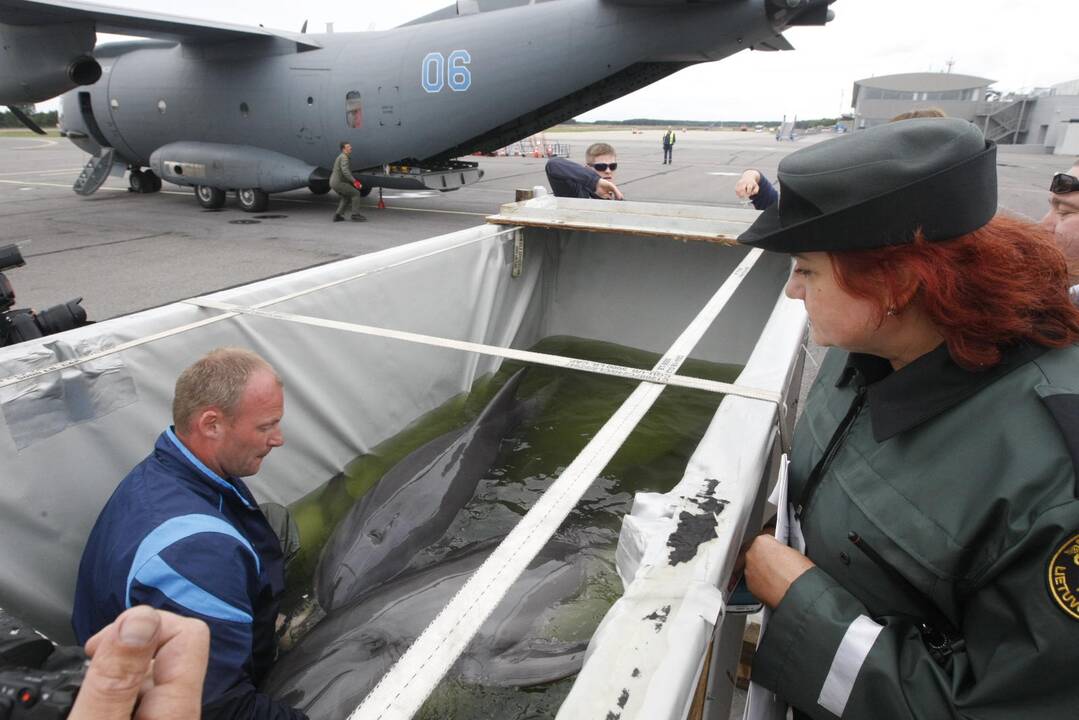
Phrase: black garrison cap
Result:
[876,187]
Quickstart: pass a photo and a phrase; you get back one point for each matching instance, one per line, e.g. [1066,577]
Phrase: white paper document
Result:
[761,703]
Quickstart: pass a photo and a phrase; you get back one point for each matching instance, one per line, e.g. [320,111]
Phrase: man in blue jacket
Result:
[183,533]
[594,179]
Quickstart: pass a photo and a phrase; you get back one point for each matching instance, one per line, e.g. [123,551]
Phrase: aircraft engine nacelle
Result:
[43,61]
[229,167]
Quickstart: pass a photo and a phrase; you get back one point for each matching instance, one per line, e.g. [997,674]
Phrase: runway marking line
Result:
[276,199]
[47,143]
[42,172]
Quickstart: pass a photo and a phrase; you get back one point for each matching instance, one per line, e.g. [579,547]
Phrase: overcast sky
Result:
[1021,44]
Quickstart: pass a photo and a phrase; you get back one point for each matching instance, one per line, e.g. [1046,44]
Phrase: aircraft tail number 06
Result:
[439,71]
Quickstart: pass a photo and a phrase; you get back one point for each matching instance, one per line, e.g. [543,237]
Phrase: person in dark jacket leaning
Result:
[182,532]
[752,185]
[348,187]
[593,180]
[933,471]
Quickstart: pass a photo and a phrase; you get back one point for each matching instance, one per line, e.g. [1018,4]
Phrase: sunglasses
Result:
[600,167]
[1063,183]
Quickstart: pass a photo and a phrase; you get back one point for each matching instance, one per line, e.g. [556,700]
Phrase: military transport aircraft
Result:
[223,107]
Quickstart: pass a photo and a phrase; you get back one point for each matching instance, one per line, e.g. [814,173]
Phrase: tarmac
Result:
[123,252]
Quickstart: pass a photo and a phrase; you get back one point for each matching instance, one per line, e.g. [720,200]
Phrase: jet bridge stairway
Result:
[95,173]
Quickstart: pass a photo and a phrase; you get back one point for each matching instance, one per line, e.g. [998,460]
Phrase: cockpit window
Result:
[353,110]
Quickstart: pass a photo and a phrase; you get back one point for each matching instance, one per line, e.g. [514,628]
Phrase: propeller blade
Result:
[25,119]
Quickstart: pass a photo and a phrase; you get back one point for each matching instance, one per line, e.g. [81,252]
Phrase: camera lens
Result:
[10,257]
[61,317]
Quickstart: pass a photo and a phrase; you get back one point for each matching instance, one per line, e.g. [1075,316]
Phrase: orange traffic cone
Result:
[381,204]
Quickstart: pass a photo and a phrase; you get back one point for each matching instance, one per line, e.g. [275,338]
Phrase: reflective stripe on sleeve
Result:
[176,529]
[157,573]
[848,661]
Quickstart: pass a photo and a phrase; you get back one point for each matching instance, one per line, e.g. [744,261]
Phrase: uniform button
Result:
[844,558]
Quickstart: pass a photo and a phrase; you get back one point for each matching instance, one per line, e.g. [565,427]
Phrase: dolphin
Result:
[329,672]
[415,502]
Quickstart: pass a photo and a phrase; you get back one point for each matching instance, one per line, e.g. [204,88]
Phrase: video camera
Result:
[38,680]
[18,325]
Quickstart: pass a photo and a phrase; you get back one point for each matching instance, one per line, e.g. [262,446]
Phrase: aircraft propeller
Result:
[25,119]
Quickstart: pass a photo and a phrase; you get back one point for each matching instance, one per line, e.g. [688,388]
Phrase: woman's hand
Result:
[772,567]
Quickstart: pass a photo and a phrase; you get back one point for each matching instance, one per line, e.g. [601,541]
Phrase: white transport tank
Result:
[371,346]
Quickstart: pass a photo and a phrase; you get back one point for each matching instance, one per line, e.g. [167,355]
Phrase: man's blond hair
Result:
[596,149]
[218,379]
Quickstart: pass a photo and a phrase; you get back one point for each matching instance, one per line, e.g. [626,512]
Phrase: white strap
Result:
[662,374]
[31,374]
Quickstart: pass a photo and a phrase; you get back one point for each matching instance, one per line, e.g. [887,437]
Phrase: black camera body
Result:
[38,694]
[22,324]
[38,681]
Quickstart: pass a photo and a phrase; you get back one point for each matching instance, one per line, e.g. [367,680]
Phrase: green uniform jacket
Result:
[342,172]
[964,486]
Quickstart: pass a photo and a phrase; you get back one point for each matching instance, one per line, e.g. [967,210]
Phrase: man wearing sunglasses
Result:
[594,179]
[1063,220]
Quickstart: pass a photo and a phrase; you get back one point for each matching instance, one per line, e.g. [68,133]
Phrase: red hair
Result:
[1002,284]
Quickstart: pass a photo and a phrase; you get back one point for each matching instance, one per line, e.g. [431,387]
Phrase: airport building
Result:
[1045,117]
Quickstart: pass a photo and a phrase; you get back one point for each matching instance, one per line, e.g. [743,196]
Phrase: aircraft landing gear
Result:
[365,190]
[210,198]
[253,200]
[143,181]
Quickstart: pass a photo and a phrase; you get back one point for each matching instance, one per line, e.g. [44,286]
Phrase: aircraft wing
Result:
[774,43]
[661,3]
[123,21]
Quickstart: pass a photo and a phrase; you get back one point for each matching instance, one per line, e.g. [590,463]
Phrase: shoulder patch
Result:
[1064,577]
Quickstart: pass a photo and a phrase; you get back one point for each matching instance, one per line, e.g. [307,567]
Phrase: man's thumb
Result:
[122,654]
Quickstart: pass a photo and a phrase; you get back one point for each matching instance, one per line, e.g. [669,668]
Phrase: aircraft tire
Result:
[210,198]
[155,181]
[138,182]
[319,189]
[365,190]
[253,200]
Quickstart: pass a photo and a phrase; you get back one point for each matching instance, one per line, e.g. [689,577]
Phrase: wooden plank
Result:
[720,225]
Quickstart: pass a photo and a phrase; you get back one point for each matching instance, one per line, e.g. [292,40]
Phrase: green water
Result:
[574,405]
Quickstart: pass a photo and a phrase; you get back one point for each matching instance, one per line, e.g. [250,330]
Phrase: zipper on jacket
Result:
[830,452]
[942,639]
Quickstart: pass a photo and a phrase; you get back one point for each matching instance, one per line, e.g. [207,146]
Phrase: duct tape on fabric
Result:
[46,405]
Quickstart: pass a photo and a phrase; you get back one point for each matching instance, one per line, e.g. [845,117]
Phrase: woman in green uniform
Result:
[933,471]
